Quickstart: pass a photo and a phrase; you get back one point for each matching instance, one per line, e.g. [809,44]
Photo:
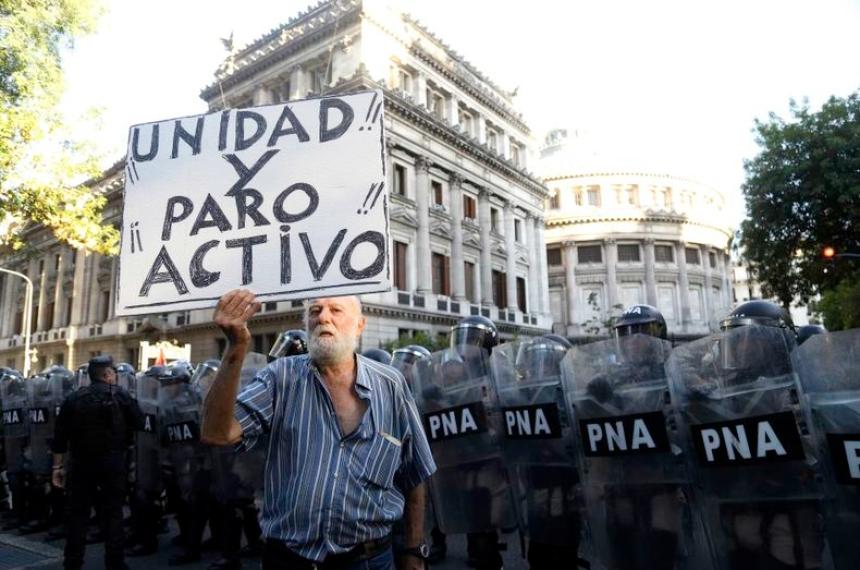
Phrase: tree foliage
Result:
[420,338]
[803,192]
[840,306]
[41,167]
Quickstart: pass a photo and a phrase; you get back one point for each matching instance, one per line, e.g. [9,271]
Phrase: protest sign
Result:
[286,200]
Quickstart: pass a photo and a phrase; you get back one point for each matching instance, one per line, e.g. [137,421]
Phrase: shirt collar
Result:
[362,376]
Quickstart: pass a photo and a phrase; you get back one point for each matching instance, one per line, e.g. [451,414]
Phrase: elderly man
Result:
[348,455]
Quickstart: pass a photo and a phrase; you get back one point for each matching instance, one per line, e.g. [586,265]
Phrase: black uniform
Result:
[96,426]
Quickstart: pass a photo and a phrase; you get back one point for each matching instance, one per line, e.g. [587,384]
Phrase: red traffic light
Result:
[828,252]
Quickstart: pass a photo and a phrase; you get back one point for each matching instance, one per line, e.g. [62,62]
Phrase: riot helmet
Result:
[541,358]
[97,365]
[475,331]
[289,343]
[204,376]
[758,312]
[641,319]
[806,331]
[177,372]
[82,376]
[377,354]
[407,356]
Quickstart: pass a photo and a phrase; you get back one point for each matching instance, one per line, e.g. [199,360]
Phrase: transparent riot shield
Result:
[44,397]
[179,425]
[537,442]
[470,488]
[13,393]
[148,451]
[747,435]
[828,366]
[629,450]
[237,476]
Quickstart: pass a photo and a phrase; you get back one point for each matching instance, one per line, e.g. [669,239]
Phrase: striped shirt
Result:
[325,494]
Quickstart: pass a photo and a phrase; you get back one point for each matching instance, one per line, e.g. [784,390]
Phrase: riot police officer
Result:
[13,395]
[289,343]
[95,426]
[405,358]
[805,332]
[379,355]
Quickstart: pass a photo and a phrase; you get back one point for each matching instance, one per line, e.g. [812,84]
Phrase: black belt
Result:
[359,552]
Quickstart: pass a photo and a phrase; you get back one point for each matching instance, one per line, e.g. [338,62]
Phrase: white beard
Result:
[331,348]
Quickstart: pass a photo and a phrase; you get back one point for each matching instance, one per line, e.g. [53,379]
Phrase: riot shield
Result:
[828,366]
[453,392]
[629,451]
[148,451]
[44,396]
[179,426]
[13,393]
[537,441]
[747,436]
[237,476]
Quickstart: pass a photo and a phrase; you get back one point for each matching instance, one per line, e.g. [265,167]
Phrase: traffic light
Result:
[828,252]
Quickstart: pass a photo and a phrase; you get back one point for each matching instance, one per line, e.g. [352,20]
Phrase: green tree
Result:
[420,338]
[803,192]
[41,167]
[840,306]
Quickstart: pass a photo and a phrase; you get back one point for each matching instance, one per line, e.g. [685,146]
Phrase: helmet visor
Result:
[466,338]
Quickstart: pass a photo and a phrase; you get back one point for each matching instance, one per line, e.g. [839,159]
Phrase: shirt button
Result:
[335,475]
[342,446]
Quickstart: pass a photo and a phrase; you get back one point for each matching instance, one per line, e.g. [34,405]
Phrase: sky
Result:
[673,84]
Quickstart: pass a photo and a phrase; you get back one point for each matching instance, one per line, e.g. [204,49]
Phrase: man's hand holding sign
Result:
[288,201]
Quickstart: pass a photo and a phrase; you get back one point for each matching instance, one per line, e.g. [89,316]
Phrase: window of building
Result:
[515,154]
[49,316]
[664,254]
[57,262]
[438,197]
[466,122]
[436,103]
[553,256]
[577,195]
[19,322]
[400,179]
[404,80]
[554,199]
[521,294]
[68,320]
[589,254]
[628,252]
[400,265]
[593,194]
[666,197]
[494,219]
[692,256]
[712,259]
[318,78]
[41,265]
[518,231]
[500,288]
[469,271]
[469,207]
[59,358]
[281,92]
[440,270]
[492,140]
[104,306]
[626,195]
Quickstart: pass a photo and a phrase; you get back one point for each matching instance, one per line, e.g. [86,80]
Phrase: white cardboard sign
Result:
[286,200]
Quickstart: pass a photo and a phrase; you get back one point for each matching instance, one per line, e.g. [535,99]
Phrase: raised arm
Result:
[220,427]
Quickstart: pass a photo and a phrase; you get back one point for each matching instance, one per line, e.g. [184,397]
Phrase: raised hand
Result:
[232,313]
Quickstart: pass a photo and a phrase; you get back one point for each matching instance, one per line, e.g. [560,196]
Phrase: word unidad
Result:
[248,203]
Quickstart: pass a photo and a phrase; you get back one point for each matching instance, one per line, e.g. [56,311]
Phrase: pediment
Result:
[404,216]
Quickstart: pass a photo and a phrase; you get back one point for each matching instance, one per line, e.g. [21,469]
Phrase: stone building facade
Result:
[467,217]
[617,237]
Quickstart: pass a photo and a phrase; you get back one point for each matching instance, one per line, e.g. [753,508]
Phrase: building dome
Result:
[619,233]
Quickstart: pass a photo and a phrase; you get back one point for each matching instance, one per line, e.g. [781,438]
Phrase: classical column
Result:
[9,296]
[683,284]
[42,301]
[511,258]
[504,145]
[543,274]
[486,247]
[709,300]
[59,291]
[458,274]
[650,279]
[570,287]
[611,277]
[262,95]
[482,129]
[78,284]
[531,243]
[93,288]
[422,206]
[298,85]
[114,263]
[453,110]
[728,279]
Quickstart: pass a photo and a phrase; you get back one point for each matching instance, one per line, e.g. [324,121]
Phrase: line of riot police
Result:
[740,450]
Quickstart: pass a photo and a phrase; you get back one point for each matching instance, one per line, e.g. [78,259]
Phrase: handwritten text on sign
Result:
[287,200]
